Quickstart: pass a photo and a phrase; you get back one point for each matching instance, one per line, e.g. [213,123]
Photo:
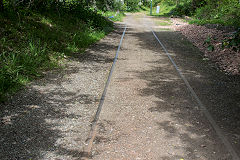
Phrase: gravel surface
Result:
[148,112]
[226,59]
[219,92]
[51,118]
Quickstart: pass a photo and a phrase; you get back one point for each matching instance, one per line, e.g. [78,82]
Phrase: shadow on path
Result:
[51,118]
[219,93]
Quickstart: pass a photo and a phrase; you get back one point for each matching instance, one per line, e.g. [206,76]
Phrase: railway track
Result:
[201,106]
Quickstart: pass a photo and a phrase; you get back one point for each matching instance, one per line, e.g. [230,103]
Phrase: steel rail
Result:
[92,135]
[217,129]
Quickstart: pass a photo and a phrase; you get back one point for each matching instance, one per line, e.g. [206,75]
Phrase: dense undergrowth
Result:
[225,12]
[222,16]
[35,40]
[221,13]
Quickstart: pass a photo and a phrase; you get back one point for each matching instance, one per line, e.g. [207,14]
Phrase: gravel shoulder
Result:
[51,118]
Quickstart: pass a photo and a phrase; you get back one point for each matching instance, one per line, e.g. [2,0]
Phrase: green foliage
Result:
[167,2]
[154,3]
[232,41]
[163,23]
[104,5]
[203,12]
[207,42]
[222,12]
[165,9]
[183,9]
[132,5]
[33,41]
[17,67]
[225,12]
[109,5]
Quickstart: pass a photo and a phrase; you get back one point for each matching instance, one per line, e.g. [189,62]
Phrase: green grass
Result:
[32,42]
[163,12]
[163,23]
[225,14]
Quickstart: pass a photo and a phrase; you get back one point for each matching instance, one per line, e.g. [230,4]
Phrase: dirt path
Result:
[148,112]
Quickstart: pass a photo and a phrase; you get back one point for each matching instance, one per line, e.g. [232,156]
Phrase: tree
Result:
[198,3]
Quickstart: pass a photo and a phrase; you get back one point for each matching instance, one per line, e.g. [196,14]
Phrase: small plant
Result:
[19,66]
[232,41]
[207,42]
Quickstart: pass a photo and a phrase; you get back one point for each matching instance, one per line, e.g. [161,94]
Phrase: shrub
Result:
[131,5]
[183,9]
[204,12]
[232,41]
[224,12]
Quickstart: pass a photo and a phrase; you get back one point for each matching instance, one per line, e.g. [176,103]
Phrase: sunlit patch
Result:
[47,22]
[7,120]
[33,107]
[163,23]
[72,48]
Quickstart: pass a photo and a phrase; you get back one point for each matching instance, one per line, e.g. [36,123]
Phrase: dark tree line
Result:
[1,5]
[44,4]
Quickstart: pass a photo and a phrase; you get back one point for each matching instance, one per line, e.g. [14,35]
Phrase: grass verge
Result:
[163,23]
[163,12]
[32,42]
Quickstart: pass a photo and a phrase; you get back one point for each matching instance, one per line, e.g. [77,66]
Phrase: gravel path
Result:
[51,118]
[148,112]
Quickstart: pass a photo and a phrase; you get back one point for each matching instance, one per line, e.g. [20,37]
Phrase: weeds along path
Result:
[149,112]
[51,118]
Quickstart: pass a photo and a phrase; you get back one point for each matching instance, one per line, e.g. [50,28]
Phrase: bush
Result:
[109,5]
[131,5]
[233,41]
[204,12]
[183,9]
[225,12]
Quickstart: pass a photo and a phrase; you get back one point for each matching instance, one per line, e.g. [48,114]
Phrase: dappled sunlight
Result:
[187,131]
[52,116]
[45,120]
[35,41]
[47,22]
